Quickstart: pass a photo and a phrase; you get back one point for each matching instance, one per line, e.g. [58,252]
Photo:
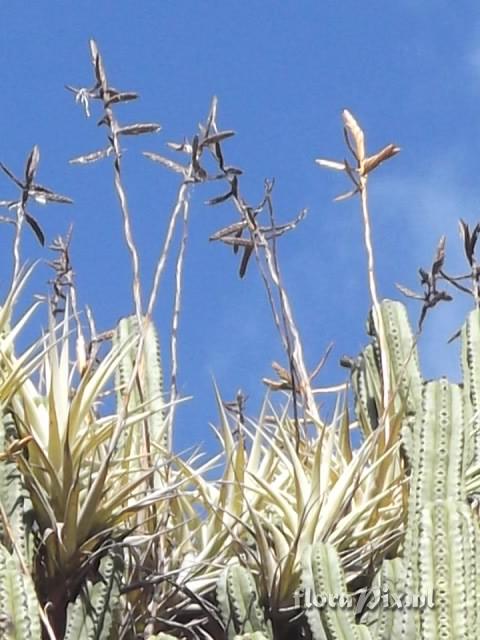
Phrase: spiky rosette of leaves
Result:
[274,500]
[69,450]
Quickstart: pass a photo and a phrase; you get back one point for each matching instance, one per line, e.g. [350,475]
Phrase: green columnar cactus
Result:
[93,614]
[239,603]
[148,390]
[13,495]
[471,381]
[19,608]
[405,377]
[387,582]
[323,578]
[436,551]
[441,549]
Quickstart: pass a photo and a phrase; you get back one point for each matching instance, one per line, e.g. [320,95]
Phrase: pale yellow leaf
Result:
[345,196]
[356,133]
[331,164]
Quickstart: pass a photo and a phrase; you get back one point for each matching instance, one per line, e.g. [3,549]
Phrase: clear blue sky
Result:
[283,71]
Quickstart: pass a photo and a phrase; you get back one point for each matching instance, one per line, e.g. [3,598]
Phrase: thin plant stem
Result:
[271,300]
[377,316]
[17,240]
[122,413]
[175,321]
[180,205]
[297,354]
[111,122]
[127,225]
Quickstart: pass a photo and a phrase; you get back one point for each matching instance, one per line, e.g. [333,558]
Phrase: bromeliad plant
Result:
[106,533]
[84,492]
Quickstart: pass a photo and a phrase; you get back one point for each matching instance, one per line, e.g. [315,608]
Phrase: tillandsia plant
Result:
[106,533]
[109,503]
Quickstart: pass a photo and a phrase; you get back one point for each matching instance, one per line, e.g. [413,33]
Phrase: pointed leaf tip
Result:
[355,132]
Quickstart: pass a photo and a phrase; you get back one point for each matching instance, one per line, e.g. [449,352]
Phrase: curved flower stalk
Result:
[358,172]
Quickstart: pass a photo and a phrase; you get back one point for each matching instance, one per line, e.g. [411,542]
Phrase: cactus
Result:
[93,614]
[471,380]
[367,386]
[19,618]
[405,377]
[432,589]
[442,541]
[323,578]
[239,604]
[13,495]
[388,582]
[148,391]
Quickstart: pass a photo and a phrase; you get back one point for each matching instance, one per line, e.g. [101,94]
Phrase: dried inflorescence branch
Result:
[254,238]
[429,280]
[247,235]
[62,266]
[431,295]
[232,234]
[363,165]
[109,97]
[470,238]
[210,140]
[358,173]
[237,407]
[28,190]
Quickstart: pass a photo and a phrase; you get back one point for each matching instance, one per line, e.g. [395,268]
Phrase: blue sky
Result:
[283,71]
